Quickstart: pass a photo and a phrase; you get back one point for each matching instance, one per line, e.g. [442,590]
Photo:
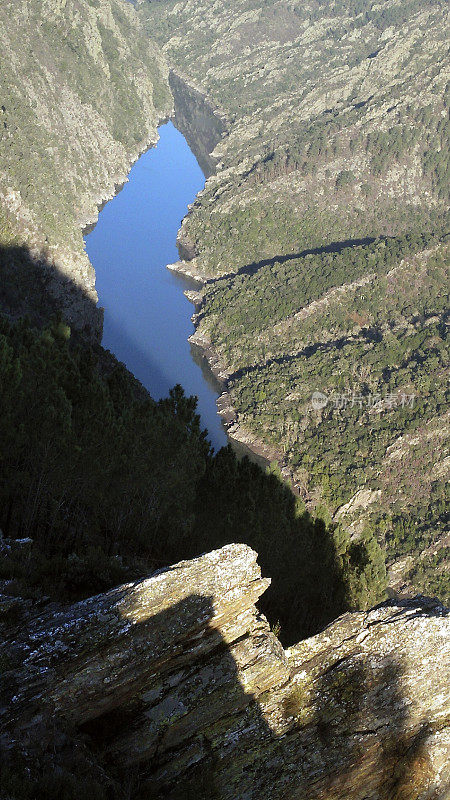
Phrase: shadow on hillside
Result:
[369,335]
[333,247]
[239,502]
[35,288]
[229,500]
[198,121]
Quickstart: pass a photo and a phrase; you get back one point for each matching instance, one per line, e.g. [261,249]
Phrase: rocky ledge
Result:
[178,679]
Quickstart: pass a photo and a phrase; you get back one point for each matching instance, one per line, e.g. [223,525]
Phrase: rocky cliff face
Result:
[198,120]
[82,89]
[179,680]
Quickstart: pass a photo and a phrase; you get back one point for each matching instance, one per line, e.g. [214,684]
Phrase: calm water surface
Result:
[147,317]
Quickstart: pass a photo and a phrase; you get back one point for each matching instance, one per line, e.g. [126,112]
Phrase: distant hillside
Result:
[81,91]
[327,218]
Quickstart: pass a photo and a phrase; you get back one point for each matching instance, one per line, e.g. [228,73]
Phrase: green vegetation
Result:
[323,241]
[276,291]
[430,574]
[73,442]
[109,484]
[82,89]
[383,335]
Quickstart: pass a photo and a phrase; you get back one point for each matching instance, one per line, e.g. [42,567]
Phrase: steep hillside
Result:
[100,481]
[81,91]
[322,241]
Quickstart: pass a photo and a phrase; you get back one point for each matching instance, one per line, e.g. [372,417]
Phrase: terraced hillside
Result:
[81,91]
[322,241]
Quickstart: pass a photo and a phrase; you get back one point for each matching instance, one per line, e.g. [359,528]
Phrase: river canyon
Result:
[147,317]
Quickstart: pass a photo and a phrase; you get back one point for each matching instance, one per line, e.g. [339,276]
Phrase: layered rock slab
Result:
[180,679]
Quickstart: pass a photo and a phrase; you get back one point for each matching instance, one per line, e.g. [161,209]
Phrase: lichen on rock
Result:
[179,679]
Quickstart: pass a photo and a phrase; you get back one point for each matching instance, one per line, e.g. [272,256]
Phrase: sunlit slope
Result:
[81,91]
[327,220]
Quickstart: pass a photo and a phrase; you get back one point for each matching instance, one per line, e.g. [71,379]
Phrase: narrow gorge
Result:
[146,314]
[238,208]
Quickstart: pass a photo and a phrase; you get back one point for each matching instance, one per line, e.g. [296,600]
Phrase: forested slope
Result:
[99,483]
[327,222]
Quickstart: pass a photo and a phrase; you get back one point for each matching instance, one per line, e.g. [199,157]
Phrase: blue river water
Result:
[147,317]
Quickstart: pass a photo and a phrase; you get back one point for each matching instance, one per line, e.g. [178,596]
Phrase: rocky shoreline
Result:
[68,273]
[102,120]
[244,440]
[89,221]
[120,179]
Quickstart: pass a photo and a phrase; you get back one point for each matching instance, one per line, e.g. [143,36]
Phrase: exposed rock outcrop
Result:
[198,120]
[179,679]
